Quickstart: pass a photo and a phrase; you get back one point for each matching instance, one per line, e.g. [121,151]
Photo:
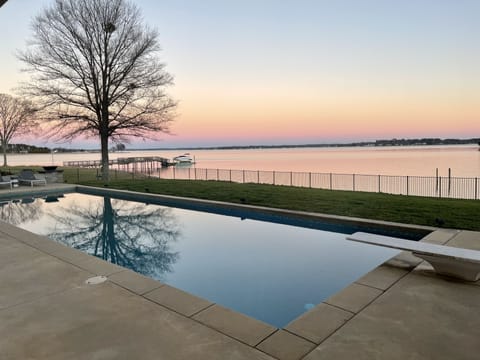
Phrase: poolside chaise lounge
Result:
[446,260]
[29,177]
[5,180]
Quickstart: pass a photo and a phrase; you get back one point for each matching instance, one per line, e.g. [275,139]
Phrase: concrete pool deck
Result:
[400,310]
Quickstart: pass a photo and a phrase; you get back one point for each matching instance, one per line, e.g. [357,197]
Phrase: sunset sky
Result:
[303,71]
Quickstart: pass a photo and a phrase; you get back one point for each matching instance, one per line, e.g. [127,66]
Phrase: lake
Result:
[464,160]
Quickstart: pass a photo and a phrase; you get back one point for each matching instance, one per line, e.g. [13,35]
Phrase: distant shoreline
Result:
[376,143]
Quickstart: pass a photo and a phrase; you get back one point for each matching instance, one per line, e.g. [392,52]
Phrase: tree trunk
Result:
[4,149]
[104,151]
[110,240]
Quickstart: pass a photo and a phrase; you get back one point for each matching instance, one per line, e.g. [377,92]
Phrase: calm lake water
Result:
[464,161]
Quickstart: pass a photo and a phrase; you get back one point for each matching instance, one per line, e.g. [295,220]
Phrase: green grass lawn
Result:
[449,213]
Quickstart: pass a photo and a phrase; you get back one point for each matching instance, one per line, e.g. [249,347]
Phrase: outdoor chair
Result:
[5,180]
[27,176]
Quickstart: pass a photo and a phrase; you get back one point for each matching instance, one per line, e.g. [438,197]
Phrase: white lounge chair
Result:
[5,180]
[29,177]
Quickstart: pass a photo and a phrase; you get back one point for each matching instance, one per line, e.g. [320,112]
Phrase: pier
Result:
[130,164]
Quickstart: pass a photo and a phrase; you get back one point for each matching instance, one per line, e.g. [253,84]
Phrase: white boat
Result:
[184,159]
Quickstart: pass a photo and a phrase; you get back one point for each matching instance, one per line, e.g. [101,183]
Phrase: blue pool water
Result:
[273,272]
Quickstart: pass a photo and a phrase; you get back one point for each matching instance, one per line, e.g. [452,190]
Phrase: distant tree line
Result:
[426,141]
[23,148]
[390,142]
[69,150]
[32,149]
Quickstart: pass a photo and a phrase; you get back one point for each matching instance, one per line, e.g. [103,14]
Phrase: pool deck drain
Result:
[400,310]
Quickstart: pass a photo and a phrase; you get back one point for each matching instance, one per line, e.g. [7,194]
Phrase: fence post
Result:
[244,176]
[439,186]
[449,180]
[330,181]
[407,184]
[195,173]
[273,177]
[379,182]
[476,188]
[218,176]
[174,173]
[159,173]
[230,175]
[310,180]
[258,176]
[291,178]
[353,182]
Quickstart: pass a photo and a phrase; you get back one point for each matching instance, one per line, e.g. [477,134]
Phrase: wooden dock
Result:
[127,164]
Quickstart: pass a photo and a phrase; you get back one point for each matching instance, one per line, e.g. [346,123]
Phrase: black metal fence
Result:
[430,186]
[427,186]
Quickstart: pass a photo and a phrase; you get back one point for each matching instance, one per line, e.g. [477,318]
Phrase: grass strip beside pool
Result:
[448,213]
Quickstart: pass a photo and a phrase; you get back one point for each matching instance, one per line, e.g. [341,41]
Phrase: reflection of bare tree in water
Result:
[132,235]
[18,212]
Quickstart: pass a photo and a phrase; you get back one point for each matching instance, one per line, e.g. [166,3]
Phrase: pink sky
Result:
[320,71]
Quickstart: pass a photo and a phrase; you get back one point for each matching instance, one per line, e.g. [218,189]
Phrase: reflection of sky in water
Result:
[272,272]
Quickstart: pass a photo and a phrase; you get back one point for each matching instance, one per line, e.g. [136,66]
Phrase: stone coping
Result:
[24,191]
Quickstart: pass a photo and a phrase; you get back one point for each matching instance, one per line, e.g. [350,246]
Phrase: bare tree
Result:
[133,235]
[95,67]
[20,211]
[16,118]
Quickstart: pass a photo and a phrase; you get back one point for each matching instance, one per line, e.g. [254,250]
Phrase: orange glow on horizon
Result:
[264,116]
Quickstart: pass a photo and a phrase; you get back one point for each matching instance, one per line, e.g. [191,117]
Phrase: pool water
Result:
[270,271]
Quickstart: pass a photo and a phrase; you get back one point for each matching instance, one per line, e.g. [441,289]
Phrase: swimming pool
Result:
[271,271]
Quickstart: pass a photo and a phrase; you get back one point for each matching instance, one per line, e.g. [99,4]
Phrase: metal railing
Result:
[427,186]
